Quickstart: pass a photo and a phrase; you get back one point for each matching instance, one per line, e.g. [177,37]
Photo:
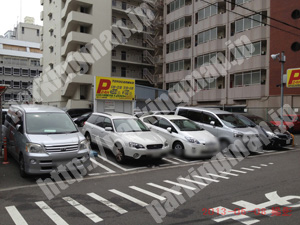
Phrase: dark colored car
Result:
[291,122]
[276,137]
[81,119]
[78,112]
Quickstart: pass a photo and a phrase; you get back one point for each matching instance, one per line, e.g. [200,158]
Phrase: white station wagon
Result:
[184,136]
[125,135]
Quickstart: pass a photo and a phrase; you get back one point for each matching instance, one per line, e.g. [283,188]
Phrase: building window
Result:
[123,71]
[33,73]
[25,72]
[51,49]
[23,30]
[207,83]
[176,25]
[7,71]
[295,46]
[6,97]
[84,10]
[35,62]
[207,12]
[123,55]
[210,58]
[124,5]
[24,85]
[124,22]
[240,2]
[7,83]
[51,66]
[1,70]
[16,72]
[38,32]
[249,78]
[83,29]
[176,45]
[114,53]
[114,3]
[16,84]
[176,66]
[248,23]
[175,5]
[113,69]
[114,20]
[249,50]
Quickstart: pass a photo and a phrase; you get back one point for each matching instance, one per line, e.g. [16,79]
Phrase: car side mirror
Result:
[169,129]
[19,127]
[108,129]
[212,123]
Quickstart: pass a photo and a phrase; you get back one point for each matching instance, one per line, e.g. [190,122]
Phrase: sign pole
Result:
[282,60]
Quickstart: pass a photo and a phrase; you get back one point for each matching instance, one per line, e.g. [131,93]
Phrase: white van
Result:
[41,138]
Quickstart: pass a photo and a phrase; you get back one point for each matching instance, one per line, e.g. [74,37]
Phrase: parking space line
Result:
[94,174]
[110,162]
[271,163]
[170,161]
[148,193]
[128,197]
[180,160]
[193,181]
[102,166]
[232,174]
[216,175]
[206,178]
[263,165]
[107,203]
[165,189]
[180,185]
[16,215]
[247,169]
[256,167]
[238,171]
[85,211]
[51,213]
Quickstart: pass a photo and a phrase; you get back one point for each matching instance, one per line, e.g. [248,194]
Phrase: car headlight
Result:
[166,144]
[271,134]
[34,148]
[135,145]
[84,145]
[238,134]
[192,140]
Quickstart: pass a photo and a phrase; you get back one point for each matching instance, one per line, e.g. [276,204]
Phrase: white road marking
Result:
[148,193]
[51,213]
[206,178]
[85,211]
[165,189]
[271,163]
[193,181]
[170,161]
[114,164]
[15,215]
[238,171]
[180,185]
[180,160]
[94,174]
[232,174]
[128,197]
[256,167]
[263,165]
[107,203]
[247,169]
[102,166]
[215,175]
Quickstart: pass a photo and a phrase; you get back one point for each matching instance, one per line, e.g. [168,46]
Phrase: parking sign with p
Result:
[293,78]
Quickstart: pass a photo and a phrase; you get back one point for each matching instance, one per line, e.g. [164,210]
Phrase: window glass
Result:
[183,112]
[200,60]
[207,12]
[163,123]
[213,34]
[214,9]
[232,121]
[99,121]
[247,23]
[247,50]
[239,26]
[213,58]
[107,123]
[256,77]
[194,115]
[247,78]
[238,80]
[129,125]
[181,65]
[256,48]
[212,83]
[92,119]
[201,14]
[207,118]
[206,36]
[256,20]
[186,125]
[201,38]
[206,59]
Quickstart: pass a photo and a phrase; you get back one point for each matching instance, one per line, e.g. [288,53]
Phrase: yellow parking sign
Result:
[293,78]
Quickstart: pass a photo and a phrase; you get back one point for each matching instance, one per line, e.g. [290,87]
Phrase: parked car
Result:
[81,119]
[4,113]
[78,112]
[291,122]
[146,113]
[276,137]
[125,135]
[185,136]
[224,125]
[41,138]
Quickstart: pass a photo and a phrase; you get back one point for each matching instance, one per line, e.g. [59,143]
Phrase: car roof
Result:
[115,115]
[169,117]
[213,110]
[37,108]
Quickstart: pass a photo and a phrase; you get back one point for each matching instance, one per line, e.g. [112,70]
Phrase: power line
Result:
[251,10]
[256,20]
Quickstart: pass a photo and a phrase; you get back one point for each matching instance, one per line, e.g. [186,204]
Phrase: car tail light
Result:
[83,123]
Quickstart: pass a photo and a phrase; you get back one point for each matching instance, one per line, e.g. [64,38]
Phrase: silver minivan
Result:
[224,125]
[43,138]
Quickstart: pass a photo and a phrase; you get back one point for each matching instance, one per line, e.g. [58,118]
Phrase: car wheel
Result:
[22,166]
[224,144]
[89,139]
[178,149]
[120,156]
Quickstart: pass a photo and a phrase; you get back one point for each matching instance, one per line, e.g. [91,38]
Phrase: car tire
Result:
[119,156]
[22,166]
[89,139]
[178,149]
[223,145]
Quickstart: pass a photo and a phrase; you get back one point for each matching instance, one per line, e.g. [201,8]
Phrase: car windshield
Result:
[186,125]
[49,123]
[260,121]
[247,121]
[130,125]
[232,121]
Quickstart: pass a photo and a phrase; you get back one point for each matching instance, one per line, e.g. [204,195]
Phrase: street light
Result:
[282,58]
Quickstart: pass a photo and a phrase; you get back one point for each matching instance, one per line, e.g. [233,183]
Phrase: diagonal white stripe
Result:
[148,193]
[51,213]
[15,215]
[165,189]
[128,197]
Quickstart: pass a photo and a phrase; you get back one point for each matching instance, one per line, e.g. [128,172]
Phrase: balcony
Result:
[136,43]
[211,46]
[131,27]
[131,59]
[177,76]
[178,55]
[178,34]
[119,6]
[253,63]
[128,74]
[73,82]
[72,5]
[184,11]
[247,92]
[74,20]
[73,40]
[209,95]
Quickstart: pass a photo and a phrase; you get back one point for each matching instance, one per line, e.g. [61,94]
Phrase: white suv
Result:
[124,135]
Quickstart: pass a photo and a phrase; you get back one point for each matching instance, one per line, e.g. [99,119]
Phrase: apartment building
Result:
[205,36]
[19,65]
[109,44]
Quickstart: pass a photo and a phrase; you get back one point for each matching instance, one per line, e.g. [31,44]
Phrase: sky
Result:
[10,13]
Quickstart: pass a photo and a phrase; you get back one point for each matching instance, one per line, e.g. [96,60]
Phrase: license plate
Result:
[288,142]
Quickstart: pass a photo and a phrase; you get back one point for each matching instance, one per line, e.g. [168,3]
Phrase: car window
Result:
[152,120]
[99,121]
[163,123]
[92,119]
[129,125]
[231,120]
[107,123]
[194,115]
[207,118]
[183,112]
[186,125]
